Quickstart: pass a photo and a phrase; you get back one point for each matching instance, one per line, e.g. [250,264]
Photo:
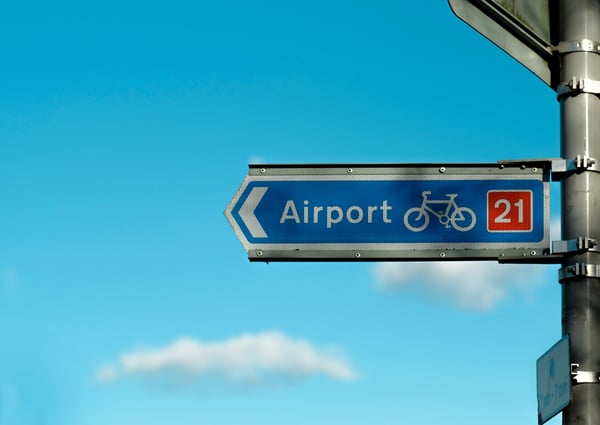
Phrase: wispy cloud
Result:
[247,361]
[477,286]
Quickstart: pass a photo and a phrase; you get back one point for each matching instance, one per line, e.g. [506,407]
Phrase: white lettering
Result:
[370,210]
[305,212]
[359,215]
[317,210]
[290,213]
[336,220]
[385,208]
[335,214]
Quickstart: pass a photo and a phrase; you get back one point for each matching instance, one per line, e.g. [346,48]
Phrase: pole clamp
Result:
[562,166]
[583,376]
[576,86]
[578,271]
[573,46]
[575,246]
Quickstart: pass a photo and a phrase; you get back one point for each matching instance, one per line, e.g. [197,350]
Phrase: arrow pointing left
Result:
[247,212]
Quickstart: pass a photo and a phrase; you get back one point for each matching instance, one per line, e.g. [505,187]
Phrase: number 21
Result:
[502,218]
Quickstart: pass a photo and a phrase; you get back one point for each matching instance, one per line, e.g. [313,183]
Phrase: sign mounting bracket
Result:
[584,376]
[575,246]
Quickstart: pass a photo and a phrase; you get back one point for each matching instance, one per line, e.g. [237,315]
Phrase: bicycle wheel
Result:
[463,219]
[416,219]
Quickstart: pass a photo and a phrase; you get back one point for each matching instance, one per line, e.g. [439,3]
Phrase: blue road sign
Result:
[392,212]
[554,380]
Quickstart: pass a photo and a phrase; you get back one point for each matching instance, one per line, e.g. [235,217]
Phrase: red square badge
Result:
[509,211]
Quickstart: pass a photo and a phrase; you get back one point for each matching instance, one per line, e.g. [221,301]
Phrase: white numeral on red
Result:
[502,218]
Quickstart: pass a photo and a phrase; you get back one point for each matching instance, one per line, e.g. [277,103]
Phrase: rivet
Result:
[442,169]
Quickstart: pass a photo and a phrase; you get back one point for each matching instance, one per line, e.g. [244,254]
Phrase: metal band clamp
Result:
[584,45]
[576,86]
[578,271]
[584,376]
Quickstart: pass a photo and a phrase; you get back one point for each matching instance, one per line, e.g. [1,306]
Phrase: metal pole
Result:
[579,21]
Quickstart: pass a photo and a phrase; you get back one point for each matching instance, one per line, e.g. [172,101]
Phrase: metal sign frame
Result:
[506,31]
[262,247]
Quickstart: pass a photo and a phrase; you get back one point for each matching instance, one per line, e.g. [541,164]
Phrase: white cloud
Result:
[251,360]
[476,286]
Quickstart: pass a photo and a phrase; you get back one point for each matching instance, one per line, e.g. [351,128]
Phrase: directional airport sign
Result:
[522,28]
[385,212]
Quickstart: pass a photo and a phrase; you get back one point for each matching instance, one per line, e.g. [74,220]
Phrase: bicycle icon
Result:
[463,219]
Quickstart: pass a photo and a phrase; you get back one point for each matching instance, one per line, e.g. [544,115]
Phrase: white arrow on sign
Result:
[247,212]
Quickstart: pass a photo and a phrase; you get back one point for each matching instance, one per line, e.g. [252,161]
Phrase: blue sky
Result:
[125,297]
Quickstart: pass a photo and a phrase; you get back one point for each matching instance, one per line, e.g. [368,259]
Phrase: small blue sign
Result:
[553,373]
[316,211]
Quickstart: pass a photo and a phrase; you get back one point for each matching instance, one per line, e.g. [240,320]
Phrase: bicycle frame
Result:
[462,219]
[450,203]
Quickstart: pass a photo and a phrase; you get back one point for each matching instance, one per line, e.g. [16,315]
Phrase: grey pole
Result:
[579,21]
